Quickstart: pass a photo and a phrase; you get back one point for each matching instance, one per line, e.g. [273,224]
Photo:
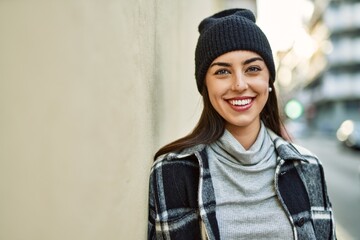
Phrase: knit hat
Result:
[226,31]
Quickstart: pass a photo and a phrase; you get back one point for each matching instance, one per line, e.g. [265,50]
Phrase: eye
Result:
[222,72]
[253,69]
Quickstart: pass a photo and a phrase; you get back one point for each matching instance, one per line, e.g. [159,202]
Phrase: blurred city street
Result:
[342,172]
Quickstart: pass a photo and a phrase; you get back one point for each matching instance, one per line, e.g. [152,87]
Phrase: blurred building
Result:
[326,77]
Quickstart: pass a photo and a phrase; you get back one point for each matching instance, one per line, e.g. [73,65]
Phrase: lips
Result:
[241,104]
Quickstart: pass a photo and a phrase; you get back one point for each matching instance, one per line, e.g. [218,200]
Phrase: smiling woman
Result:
[235,176]
[238,88]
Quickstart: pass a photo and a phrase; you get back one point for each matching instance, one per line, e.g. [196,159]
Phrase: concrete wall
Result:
[88,91]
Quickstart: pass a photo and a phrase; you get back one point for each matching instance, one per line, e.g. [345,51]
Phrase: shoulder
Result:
[178,167]
[184,158]
[304,151]
[288,150]
[176,177]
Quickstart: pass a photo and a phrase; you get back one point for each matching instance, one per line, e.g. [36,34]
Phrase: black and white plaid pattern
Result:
[182,199]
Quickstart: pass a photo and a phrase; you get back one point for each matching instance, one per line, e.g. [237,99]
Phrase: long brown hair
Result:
[211,125]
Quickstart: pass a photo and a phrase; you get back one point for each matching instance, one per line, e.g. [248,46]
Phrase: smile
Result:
[241,102]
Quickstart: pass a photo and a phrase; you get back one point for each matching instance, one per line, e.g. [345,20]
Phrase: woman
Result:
[234,176]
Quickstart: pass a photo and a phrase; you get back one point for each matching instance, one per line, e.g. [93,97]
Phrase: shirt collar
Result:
[285,149]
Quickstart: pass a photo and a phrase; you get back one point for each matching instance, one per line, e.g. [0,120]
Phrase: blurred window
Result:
[353,105]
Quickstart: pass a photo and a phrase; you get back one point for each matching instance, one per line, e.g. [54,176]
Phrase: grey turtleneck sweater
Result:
[246,202]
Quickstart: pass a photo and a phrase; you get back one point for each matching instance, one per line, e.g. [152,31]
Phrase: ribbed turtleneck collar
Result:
[230,149]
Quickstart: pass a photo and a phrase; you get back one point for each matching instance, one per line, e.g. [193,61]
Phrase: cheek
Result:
[266,91]
[213,96]
[263,90]
[266,95]
[265,86]
[213,90]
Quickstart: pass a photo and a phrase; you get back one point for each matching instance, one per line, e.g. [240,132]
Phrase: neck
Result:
[246,136]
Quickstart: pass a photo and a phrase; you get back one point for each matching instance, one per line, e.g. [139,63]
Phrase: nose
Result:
[239,83]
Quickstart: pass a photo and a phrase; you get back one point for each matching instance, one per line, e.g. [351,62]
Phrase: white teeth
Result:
[240,102]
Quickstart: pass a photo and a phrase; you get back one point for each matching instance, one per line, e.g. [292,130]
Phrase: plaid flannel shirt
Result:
[182,201]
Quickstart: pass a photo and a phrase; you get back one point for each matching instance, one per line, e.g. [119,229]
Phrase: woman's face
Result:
[238,88]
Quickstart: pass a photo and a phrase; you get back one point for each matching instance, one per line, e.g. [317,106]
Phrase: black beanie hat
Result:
[226,31]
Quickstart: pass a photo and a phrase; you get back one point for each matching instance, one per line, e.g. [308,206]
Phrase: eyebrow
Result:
[247,61]
[221,64]
[250,60]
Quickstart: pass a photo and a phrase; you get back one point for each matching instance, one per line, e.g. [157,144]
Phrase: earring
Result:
[270,89]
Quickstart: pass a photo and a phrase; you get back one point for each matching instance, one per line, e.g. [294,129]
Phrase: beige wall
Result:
[88,91]
[178,103]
